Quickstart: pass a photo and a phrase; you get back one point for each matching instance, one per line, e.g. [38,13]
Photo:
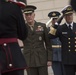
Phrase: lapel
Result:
[34,28]
[66,32]
[74,27]
[71,33]
[30,32]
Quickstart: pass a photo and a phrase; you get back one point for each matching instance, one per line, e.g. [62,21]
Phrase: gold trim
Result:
[68,12]
[27,12]
[52,30]
[56,46]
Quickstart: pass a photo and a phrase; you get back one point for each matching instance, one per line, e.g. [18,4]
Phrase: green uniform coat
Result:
[35,52]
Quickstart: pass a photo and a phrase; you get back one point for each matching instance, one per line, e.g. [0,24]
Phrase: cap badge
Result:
[53,14]
[69,8]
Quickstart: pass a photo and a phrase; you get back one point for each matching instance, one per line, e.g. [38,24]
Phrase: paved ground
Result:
[50,72]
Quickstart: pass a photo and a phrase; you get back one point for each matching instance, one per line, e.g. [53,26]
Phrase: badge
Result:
[64,32]
[40,38]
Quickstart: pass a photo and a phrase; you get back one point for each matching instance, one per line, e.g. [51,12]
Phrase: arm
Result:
[48,46]
[53,29]
[21,27]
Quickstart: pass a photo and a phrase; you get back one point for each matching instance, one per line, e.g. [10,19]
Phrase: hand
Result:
[60,19]
[49,63]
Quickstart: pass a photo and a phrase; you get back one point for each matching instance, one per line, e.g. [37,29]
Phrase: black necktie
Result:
[69,26]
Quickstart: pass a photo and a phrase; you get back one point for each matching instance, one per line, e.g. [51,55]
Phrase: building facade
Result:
[46,6]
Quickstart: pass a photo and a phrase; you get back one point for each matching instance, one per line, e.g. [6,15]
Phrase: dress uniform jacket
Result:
[37,49]
[12,26]
[56,48]
[68,40]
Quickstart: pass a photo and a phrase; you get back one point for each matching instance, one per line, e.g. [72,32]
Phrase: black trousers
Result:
[18,72]
[69,69]
[57,67]
[37,70]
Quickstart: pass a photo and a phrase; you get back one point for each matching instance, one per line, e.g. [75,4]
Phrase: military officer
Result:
[73,4]
[67,36]
[12,27]
[37,48]
[20,3]
[56,46]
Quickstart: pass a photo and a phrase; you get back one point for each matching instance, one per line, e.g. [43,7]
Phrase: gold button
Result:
[75,45]
[75,50]
[10,65]
[75,37]
[69,42]
[5,44]
[69,50]
[69,46]
[68,38]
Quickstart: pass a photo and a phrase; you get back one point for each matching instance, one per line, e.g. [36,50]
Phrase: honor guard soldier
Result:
[56,46]
[37,49]
[12,27]
[73,4]
[20,3]
[67,35]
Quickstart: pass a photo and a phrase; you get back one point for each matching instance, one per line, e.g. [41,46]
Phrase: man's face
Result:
[54,20]
[69,17]
[30,17]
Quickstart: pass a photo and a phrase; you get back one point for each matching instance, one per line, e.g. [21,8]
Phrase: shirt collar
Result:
[70,24]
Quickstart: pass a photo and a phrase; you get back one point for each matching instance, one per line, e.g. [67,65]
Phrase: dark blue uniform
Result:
[12,26]
[67,35]
[56,46]
[68,40]
[57,59]
[56,65]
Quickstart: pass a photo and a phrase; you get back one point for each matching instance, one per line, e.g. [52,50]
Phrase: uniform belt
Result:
[7,40]
[56,46]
